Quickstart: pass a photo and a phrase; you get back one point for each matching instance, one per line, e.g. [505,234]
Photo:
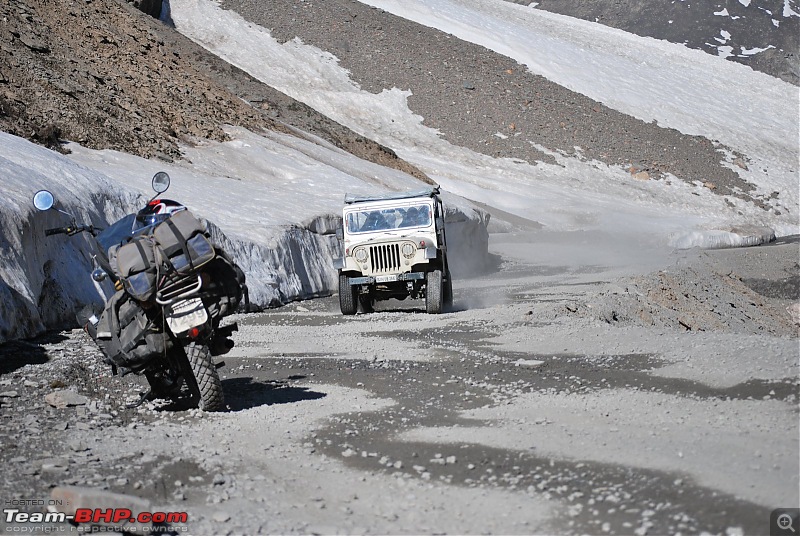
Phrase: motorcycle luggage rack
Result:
[181,289]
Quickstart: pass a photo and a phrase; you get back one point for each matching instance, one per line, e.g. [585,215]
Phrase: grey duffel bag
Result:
[135,263]
[183,243]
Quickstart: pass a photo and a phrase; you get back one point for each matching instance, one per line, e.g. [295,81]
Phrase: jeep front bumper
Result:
[369,280]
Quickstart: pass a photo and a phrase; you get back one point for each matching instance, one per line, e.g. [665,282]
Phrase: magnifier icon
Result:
[785,522]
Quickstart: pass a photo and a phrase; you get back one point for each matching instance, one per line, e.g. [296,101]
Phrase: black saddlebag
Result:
[226,286]
[128,336]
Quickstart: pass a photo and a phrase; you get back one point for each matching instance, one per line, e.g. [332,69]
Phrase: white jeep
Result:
[393,246]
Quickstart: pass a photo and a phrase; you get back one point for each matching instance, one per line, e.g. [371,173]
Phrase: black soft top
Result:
[349,199]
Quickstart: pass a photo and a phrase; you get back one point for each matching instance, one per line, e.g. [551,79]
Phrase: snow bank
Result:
[271,204]
[42,280]
[736,237]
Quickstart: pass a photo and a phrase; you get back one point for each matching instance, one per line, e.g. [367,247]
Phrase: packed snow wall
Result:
[44,279]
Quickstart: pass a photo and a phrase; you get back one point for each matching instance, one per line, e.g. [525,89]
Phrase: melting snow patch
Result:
[752,51]
[787,9]
[725,51]
[717,239]
[723,13]
[726,36]
[745,3]
[501,135]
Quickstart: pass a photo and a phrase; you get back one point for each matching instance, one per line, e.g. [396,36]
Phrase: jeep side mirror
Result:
[439,222]
[340,234]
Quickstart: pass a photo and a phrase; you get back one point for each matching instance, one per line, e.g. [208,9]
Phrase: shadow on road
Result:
[16,354]
[248,392]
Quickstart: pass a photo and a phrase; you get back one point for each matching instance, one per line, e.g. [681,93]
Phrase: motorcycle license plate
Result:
[186,314]
[385,278]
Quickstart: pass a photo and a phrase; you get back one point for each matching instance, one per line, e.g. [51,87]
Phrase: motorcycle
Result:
[171,288]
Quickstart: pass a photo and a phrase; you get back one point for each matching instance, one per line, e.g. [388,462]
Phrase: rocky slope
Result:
[470,94]
[70,71]
[762,35]
[109,76]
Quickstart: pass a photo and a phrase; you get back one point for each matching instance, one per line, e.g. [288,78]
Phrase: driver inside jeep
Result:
[416,217]
[375,222]
[410,217]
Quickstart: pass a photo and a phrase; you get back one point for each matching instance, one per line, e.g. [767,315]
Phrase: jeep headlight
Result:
[408,249]
[361,255]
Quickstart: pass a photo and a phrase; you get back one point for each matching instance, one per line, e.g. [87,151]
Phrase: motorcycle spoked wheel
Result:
[202,378]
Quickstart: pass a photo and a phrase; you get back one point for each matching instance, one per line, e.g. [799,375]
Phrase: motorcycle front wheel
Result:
[202,378]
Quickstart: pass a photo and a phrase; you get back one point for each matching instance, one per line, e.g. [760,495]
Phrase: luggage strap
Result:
[116,331]
[142,252]
[183,243]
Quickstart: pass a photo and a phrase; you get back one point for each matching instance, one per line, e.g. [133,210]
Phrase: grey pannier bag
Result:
[127,337]
[183,242]
[135,263]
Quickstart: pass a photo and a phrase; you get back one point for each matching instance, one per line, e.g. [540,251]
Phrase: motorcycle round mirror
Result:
[43,200]
[160,182]
[99,275]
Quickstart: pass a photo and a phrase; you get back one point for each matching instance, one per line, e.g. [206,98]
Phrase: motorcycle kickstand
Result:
[142,397]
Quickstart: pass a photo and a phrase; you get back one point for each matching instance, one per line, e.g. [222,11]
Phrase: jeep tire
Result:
[434,295]
[348,298]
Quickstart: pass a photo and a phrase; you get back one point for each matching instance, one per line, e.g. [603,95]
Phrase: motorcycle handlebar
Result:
[75,229]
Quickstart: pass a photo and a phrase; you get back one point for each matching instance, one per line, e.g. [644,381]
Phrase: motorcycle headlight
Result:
[408,249]
[361,255]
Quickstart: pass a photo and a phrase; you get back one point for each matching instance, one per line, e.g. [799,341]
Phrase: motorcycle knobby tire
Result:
[203,379]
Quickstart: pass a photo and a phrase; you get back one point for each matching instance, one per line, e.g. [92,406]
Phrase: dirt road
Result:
[529,408]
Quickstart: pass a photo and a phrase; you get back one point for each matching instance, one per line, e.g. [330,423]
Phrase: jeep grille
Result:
[385,258]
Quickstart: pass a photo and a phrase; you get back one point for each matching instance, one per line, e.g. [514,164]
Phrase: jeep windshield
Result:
[388,219]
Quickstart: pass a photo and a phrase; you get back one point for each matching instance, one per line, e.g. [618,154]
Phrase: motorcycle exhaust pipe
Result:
[227,331]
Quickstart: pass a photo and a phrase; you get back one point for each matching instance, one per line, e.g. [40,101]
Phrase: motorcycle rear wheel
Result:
[203,379]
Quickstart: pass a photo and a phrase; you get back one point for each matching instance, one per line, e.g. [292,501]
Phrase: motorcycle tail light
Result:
[194,333]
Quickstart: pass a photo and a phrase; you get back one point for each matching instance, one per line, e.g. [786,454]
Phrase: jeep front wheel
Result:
[348,300]
[433,292]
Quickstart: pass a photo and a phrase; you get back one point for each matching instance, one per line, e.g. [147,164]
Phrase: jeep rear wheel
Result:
[348,299]
[433,292]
